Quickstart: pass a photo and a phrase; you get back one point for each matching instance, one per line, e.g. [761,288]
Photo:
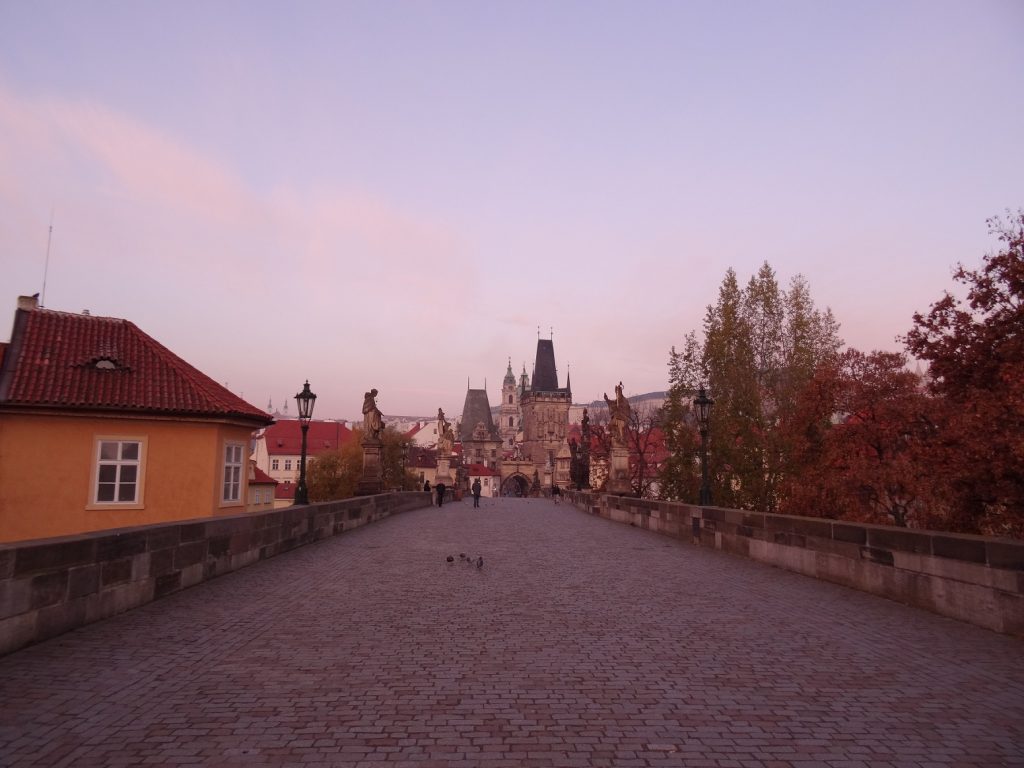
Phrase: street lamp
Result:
[702,403]
[305,399]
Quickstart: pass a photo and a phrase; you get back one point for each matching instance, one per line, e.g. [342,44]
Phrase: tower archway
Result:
[515,485]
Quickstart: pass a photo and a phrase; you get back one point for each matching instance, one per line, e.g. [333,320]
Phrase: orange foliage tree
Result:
[975,349]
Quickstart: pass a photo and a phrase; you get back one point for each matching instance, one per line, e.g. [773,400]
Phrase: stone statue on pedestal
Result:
[618,416]
[445,435]
[373,421]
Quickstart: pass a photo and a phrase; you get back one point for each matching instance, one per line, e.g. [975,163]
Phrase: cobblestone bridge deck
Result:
[580,642]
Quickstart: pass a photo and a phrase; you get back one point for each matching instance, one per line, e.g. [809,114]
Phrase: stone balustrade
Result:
[975,579]
[50,586]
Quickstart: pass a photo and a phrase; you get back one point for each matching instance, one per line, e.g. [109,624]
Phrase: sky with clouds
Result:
[398,194]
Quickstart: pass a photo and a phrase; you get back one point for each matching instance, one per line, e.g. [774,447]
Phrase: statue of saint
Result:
[373,421]
[445,436]
[618,416]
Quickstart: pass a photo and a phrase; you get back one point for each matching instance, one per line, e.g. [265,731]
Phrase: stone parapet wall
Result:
[50,586]
[975,579]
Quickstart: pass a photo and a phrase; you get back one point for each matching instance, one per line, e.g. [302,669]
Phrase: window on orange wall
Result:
[118,472]
[232,490]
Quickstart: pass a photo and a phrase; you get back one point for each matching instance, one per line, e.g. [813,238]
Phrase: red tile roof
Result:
[259,477]
[479,470]
[62,360]
[284,438]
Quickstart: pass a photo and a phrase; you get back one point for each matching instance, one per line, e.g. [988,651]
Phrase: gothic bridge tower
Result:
[545,408]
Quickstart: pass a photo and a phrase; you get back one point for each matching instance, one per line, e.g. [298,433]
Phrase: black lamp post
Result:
[405,458]
[702,403]
[305,399]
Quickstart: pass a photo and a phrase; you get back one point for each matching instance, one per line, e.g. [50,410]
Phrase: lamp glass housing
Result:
[305,399]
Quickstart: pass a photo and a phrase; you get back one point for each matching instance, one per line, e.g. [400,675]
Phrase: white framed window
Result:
[287,465]
[118,471]
[275,463]
[232,490]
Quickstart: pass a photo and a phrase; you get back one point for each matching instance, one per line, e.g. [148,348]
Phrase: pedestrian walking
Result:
[476,492]
[440,493]
[426,486]
[556,493]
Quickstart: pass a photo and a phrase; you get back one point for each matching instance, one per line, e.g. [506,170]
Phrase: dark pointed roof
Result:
[476,410]
[510,378]
[545,374]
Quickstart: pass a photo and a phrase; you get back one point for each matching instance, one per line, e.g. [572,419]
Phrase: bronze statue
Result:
[373,420]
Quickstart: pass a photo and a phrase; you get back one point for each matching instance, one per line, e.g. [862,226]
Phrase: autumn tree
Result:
[335,474]
[393,471]
[975,350]
[645,441]
[869,462]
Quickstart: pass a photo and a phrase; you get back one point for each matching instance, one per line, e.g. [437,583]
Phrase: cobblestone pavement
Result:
[580,642]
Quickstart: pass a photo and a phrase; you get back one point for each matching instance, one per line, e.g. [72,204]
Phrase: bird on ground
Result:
[450,559]
[480,562]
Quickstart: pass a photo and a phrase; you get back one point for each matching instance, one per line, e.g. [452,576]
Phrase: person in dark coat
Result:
[476,492]
[426,486]
[556,493]
[440,493]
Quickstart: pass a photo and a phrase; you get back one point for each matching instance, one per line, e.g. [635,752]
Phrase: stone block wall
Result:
[975,579]
[50,586]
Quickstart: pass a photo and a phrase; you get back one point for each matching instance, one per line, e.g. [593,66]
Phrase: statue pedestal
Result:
[444,472]
[372,480]
[618,472]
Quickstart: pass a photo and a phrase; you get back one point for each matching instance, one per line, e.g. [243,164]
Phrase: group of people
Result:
[440,489]
[476,489]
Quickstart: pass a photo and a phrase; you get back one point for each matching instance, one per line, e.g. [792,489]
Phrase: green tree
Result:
[679,479]
[761,348]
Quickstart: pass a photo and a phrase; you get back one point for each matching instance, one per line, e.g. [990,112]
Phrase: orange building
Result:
[103,427]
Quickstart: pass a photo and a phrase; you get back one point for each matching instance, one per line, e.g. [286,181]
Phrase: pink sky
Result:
[398,195]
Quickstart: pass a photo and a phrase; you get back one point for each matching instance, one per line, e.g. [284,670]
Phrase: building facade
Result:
[103,427]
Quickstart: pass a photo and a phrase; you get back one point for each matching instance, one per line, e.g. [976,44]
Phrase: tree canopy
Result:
[804,427]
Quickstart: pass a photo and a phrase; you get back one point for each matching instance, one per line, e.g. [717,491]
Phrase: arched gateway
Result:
[515,485]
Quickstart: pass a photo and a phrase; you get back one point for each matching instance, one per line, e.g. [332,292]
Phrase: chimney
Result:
[28,302]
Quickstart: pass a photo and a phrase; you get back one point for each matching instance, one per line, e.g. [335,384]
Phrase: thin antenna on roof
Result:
[551,332]
[46,266]
[538,333]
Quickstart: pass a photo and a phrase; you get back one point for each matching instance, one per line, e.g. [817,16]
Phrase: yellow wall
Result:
[47,471]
